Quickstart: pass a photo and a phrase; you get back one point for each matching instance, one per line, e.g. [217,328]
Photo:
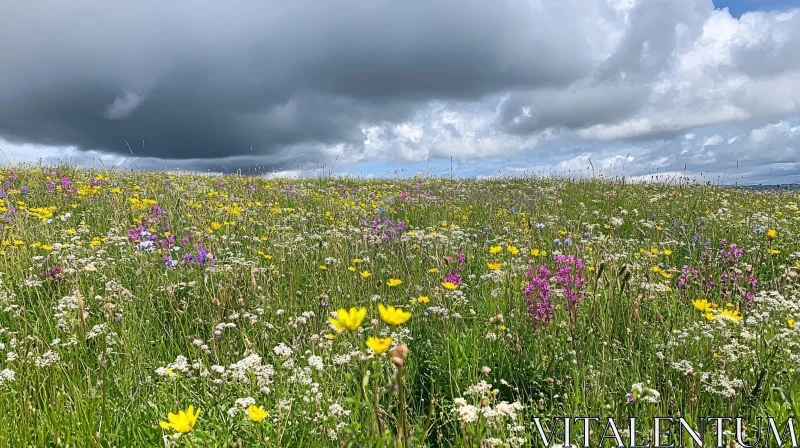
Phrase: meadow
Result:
[165,309]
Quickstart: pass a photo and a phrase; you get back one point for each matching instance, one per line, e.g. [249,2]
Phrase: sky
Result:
[647,89]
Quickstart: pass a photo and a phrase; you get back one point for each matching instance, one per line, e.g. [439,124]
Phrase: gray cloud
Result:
[210,80]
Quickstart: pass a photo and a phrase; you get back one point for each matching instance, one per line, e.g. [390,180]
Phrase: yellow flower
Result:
[356,261]
[256,413]
[378,345]
[183,421]
[394,282]
[732,314]
[365,274]
[656,269]
[791,323]
[535,252]
[323,267]
[653,251]
[433,270]
[774,251]
[494,266]
[667,252]
[666,275]
[513,250]
[771,233]
[449,285]
[351,268]
[393,316]
[348,320]
[702,305]
[423,299]
[495,249]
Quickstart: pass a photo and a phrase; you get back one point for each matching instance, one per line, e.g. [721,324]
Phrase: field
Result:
[262,305]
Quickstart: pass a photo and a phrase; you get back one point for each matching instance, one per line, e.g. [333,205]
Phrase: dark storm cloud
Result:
[208,80]
[572,108]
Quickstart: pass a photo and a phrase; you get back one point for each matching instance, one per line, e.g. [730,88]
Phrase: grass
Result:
[127,296]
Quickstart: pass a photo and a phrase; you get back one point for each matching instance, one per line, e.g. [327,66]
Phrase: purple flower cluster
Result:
[385,227]
[537,293]
[54,273]
[728,282]
[453,277]
[570,277]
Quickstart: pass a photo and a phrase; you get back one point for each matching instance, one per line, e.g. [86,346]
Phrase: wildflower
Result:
[449,285]
[771,233]
[495,249]
[256,413]
[731,314]
[393,316]
[494,266]
[183,421]
[790,322]
[379,345]
[433,270]
[639,391]
[394,282]
[365,274]
[423,299]
[513,250]
[348,320]
[702,305]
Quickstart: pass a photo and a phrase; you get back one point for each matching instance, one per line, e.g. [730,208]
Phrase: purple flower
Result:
[453,277]
[537,293]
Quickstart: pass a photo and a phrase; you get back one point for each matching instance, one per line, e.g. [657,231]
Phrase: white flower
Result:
[6,375]
[282,350]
